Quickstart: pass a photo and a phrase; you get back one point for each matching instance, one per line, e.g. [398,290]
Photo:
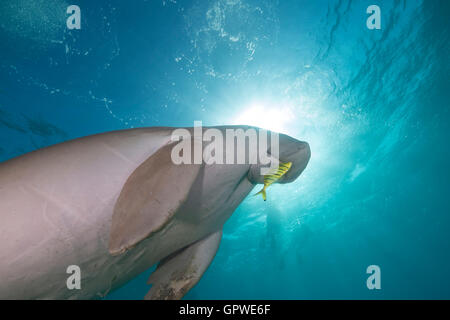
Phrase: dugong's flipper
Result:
[180,271]
[150,198]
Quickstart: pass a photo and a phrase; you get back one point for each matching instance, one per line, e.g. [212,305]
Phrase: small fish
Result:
[271,178]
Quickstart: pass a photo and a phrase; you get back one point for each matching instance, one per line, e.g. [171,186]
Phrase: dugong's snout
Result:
[299,154]
[290,150]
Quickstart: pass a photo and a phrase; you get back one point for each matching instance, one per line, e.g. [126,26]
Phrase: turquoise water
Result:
[373,105]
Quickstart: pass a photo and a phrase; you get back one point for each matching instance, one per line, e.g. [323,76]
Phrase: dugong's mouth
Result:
[299,156]
[297,152]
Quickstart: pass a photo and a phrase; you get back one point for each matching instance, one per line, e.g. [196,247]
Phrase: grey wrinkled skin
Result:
[114,204]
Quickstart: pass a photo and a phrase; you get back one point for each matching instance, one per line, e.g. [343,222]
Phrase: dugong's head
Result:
[290,150]
[163,186]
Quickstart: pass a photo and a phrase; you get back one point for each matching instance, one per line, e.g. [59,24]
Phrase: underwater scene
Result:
[365,83]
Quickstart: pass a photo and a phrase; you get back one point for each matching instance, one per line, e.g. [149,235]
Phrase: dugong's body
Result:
[114,205]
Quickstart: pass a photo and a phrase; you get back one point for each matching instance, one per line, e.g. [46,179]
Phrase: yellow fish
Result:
[271,178]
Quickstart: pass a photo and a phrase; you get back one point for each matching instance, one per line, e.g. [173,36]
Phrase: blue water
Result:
[373,104]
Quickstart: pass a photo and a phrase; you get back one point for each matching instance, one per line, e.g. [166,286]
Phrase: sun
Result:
[266,117]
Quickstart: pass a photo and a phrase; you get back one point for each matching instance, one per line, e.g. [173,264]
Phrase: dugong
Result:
[113,205]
